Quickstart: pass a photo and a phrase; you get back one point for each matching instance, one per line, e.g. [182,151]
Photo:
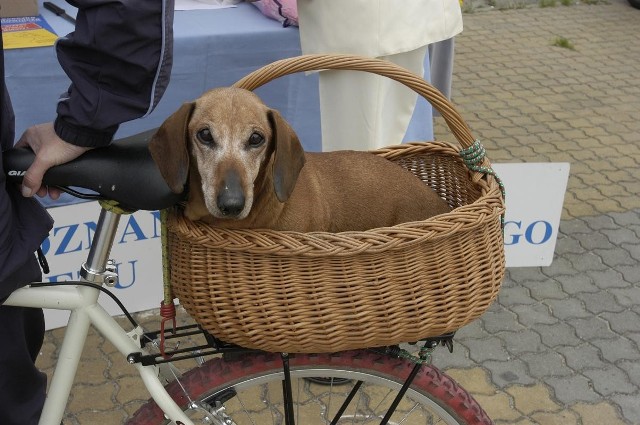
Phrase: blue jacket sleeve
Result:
[119,61]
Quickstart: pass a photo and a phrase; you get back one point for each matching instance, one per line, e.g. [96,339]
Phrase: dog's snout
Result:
[230,204]
[231,199]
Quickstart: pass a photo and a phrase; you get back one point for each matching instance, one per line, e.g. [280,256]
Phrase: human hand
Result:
[50,150]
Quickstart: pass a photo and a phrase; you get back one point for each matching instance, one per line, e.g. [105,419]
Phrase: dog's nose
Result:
[230,203]
[230,198]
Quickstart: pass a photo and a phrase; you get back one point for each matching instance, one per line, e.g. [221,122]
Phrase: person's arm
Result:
[119,60]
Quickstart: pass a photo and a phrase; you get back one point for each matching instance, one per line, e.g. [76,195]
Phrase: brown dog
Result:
[246,169]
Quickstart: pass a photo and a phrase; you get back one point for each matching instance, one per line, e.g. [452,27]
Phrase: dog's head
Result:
[230,138]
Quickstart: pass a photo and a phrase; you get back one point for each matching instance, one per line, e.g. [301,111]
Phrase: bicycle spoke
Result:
[298,406]
[406,416]
[375,409]
[346,403]
[246,412]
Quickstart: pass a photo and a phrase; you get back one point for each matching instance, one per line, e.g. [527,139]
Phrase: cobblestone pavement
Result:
[562,344]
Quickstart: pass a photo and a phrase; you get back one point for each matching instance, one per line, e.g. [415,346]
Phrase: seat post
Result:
[95,269]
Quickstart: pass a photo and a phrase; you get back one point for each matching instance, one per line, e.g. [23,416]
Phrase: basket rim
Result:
[488,207]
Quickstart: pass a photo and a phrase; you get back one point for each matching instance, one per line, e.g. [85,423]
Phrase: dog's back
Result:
[355,191]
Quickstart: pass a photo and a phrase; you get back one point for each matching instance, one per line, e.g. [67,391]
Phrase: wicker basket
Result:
[326,292]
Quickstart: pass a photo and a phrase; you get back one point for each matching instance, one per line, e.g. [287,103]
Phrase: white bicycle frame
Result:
[82,301]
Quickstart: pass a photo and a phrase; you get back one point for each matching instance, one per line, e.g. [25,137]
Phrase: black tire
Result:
[635,3]
[432,393]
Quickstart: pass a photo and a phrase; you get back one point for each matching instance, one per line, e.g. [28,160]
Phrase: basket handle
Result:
[359,63]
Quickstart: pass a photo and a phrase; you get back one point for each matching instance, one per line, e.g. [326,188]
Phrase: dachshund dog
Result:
[244,167]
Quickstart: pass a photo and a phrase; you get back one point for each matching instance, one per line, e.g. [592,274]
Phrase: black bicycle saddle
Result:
[123,172]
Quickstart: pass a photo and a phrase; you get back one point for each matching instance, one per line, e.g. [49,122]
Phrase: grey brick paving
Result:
[627,218]
[592,328]
[610,278]
[531,315]
[600,302]
[578,283]
[487,349]
[525,341]
[628,297]
[550,289]
[618,236]
[513,295]
[583,356]
[459,358]
[558,334]
[610,380]
[617,349]
[629,405]
[635,337]
[509,372]
[626,321]
[581,315]
[573,389]
[615,259]
[632,368]
[502,320]
[567,308]
[546,364]
[634,251]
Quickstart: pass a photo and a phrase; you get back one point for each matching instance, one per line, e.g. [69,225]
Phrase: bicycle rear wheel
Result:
[248,391]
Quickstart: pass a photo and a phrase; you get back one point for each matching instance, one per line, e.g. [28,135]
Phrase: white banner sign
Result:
[535,193]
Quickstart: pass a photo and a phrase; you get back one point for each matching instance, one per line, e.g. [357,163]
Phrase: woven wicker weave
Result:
[325,292]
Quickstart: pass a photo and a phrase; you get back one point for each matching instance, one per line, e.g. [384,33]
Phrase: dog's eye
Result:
[205,136]
[256,140]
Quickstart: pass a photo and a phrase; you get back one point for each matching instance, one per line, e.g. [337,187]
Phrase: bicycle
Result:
[216,388]
[385,385]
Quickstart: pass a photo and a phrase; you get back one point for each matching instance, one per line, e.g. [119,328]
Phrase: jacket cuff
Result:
[83,136]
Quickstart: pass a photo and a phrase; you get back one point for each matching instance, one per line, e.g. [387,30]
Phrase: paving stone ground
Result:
[562,343]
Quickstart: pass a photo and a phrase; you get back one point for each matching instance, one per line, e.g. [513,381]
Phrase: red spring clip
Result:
[167,312]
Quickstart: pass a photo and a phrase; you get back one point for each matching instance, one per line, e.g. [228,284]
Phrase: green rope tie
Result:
[472,157]
[168,293]
[423,357]
[114,207]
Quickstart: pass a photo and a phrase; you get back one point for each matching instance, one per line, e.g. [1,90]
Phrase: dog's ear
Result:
[169,148]
[288,156]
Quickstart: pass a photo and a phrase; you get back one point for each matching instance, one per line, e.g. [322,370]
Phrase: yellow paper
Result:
[20,33]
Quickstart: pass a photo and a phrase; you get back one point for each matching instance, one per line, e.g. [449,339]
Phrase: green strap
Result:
[114,207]
[423,357]
[168,293]
[472,157]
